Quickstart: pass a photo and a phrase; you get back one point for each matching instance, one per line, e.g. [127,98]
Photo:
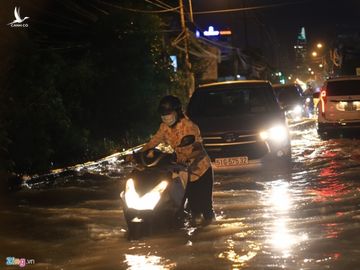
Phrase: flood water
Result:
[306,216]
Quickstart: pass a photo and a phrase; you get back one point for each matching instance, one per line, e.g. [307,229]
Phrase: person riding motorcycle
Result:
[309,101]
[175,125]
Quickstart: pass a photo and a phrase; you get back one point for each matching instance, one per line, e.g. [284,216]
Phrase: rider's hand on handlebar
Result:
[181,160]
[129,158]
[150,154]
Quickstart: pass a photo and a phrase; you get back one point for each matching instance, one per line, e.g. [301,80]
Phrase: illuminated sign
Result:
[225,32]
[211,32]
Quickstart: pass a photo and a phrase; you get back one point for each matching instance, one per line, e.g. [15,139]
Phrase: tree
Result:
[72,94]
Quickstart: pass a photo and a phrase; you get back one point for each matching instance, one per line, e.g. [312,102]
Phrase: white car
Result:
[339,105]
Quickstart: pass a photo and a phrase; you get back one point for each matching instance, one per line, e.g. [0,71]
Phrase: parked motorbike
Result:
[154,192]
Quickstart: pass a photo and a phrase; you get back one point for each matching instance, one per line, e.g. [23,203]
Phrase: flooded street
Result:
[306,216]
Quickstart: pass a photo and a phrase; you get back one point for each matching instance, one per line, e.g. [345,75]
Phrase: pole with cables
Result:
[188,74]
[191,11]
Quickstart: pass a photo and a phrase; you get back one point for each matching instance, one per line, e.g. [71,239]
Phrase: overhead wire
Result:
[140,10]
[159,5]
[199,51]
[197,45]
[80,10]
[201,48]
[103,11]
[246,8]
[163,3]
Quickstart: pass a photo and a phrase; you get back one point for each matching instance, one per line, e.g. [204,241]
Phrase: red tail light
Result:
[323,100]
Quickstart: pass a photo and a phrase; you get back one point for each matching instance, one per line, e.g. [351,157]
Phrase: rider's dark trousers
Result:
[199,195]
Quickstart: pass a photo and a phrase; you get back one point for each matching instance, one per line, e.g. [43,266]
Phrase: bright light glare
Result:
[282,236]
[297,109]
[146,202]
[280,198]
[264,135]
[276,133]
[151,262]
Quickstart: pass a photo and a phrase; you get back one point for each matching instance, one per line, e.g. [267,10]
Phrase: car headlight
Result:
[297,109]
[277,134]
[148,201]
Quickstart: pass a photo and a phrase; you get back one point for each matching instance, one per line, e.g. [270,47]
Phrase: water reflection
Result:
[239,256]
[151,262]
[308,218]
[280,204]
[279,197]
[329,186]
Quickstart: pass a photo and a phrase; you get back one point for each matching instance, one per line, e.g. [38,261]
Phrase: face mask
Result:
[169,119]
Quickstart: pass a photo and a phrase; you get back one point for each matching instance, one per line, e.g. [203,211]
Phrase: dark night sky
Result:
[272,29]
[275,29]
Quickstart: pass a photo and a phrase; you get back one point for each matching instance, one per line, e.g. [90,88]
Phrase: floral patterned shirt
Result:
[195,154]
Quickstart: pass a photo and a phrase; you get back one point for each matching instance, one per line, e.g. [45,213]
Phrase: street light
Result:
[319,45]
[314,54]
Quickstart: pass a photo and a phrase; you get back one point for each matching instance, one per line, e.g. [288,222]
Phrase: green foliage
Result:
[64,107]
[38,125]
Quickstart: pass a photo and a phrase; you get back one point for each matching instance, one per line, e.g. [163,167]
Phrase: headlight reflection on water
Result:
[233,253]
[280,202]
[148,262]
[279,197]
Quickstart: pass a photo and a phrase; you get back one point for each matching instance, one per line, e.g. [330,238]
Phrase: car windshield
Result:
[343,88]
[230,102]
[287,94]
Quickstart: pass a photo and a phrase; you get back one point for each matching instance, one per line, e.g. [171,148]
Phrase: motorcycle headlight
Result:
[277,134]
[148,201]
[297,109]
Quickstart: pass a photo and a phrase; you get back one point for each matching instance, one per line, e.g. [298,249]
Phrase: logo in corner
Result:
[18,22]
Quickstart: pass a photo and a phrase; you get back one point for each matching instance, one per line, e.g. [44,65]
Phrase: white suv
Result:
[339,105]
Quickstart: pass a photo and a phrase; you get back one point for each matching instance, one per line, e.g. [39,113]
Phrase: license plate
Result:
[231,161]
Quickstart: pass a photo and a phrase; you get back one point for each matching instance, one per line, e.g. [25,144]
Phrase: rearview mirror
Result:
[187,140]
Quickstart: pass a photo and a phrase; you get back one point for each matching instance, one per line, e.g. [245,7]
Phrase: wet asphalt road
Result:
[305,216]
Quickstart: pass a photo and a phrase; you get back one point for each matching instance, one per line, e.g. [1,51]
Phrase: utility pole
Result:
[245,25]
[191,11]
[188,74]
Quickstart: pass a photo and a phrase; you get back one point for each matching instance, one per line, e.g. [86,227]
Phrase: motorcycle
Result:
[309,106]
[153,197]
